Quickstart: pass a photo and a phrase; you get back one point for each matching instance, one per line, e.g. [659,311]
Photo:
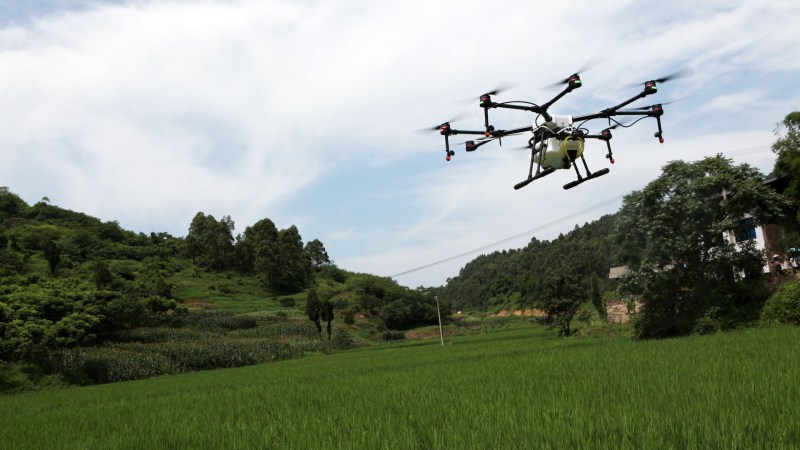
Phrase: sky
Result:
[307,112]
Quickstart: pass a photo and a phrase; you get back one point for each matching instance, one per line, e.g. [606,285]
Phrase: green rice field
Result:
[520,388]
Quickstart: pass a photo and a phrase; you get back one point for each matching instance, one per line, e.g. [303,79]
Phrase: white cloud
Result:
[150,111]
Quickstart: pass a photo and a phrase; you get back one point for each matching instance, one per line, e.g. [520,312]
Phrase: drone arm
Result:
[605,136]
[501,133]
[532,108]
[614,111]
[547,105]
[454,132]
[659,133]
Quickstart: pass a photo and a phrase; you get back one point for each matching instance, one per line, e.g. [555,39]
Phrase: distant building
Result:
[767,237]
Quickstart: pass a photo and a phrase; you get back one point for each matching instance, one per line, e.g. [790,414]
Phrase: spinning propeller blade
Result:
[591,64]
[683,73]
[645,108]
[502,87]
[456,118]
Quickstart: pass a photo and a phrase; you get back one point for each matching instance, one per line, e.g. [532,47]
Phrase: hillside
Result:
[85,301]
[512,278]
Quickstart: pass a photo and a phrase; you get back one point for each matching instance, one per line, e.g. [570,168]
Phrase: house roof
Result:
[617,272]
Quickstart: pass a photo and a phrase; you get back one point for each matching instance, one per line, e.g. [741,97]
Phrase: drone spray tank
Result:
[559,148]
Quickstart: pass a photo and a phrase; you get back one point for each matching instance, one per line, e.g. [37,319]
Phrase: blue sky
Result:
[147,112]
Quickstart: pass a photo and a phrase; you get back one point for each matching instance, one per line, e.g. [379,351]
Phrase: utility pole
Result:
[439,313]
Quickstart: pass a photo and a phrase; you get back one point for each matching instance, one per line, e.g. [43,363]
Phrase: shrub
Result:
[783,306]
[211,320]
[391,335]
[349,317]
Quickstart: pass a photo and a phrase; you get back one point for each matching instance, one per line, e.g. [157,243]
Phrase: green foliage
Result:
[562,296]
[393,335]
[52,253]
[413,310]
[316,254]
[783,306]
[210,242]
[314,309]
[101,275]
[598,393]
[294,265]
[596,296]
[277,256]
[672,236]
[332,272]
[490,280]
[787,149]
[111,283]
[11,204]
[326,314]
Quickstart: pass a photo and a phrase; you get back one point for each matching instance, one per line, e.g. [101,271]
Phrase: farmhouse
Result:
[768,238]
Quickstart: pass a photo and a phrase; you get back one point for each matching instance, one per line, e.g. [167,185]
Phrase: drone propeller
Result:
[502,87]
[456,118]
[645,108]
[475,141]
[591,64]
[683,73]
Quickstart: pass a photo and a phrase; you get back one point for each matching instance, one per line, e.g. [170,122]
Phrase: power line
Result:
[516,236]
[732,153]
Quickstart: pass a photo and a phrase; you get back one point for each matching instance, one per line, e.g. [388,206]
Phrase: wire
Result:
[615,121]
[516,236]
[737,152]
[519,101]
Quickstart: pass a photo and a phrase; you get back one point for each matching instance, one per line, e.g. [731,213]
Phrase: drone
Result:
[558,141]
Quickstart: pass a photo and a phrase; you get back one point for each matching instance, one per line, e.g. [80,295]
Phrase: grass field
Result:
[519,388]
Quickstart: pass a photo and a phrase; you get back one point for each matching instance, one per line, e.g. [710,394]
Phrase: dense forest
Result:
[513,278]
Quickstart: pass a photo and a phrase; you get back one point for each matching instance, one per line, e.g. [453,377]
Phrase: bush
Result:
[349,317]
[215,321]
[287,302]
[783,306]
[391,335]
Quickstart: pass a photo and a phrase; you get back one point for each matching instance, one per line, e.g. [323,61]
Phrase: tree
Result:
[293,265]
[209,242]
[52,253]
[326,314]
[672,237]
[787,149]
[596,296]
[257,250]
[316,254]
[101,275]
[314,309]
[562,295]
[10,204]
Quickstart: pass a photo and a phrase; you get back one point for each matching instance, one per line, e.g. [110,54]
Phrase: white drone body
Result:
[553,152]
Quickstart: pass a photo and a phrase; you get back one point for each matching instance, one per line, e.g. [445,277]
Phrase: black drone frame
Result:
[542,133]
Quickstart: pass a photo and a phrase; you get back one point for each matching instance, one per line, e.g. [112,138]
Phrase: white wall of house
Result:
[761,243]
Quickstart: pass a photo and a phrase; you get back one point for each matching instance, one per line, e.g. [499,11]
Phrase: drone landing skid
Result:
[541,174]
[599,173]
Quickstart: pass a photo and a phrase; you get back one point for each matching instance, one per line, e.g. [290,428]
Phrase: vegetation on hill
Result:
[91,302]
[515,278]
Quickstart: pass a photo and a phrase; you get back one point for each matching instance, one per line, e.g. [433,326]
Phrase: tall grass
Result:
[509,389]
